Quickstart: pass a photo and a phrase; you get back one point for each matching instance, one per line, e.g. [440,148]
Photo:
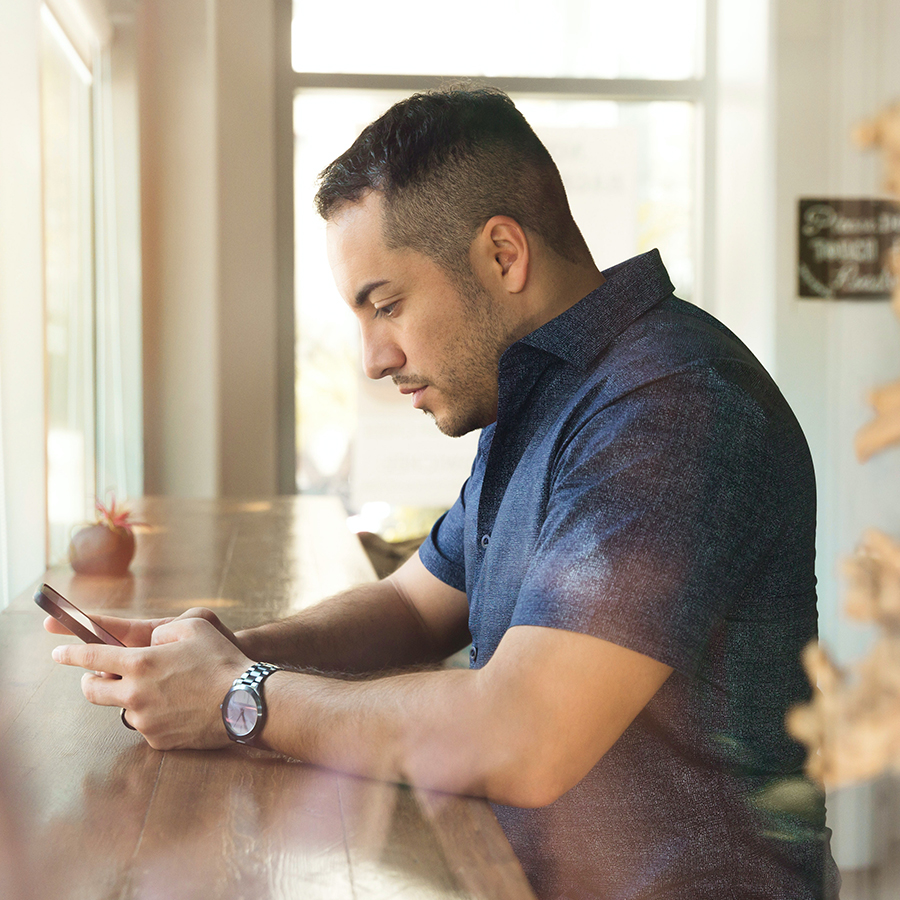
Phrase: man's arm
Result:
[408,619]
[521,731]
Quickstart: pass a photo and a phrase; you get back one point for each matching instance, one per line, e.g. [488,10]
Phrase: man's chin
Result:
[455,425]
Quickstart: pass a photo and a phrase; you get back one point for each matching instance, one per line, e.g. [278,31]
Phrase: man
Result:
[631,558]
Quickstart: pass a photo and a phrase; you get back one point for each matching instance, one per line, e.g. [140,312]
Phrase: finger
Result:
[184,628]
[131,632]
[54,626]
[96,657]
[103,691]
[199,612]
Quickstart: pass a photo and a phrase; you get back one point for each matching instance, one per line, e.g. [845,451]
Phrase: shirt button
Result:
[485,540]
[473,655]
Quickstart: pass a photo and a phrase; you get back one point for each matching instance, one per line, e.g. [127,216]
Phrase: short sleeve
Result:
[442,552]
[657,517]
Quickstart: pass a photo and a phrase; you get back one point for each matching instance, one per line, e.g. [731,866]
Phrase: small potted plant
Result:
[104,547]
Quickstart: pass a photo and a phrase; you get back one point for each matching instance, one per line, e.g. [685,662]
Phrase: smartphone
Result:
[79,623]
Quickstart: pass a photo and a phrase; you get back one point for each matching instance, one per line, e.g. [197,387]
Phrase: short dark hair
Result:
[445,163]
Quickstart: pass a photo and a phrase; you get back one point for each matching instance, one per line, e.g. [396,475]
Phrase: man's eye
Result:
[385,311]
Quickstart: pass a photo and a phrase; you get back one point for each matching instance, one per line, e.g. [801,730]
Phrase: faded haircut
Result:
[446,162]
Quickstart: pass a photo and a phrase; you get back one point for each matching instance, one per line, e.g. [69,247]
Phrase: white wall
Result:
[178,211]
[208,220]
[836,63]
[245,79]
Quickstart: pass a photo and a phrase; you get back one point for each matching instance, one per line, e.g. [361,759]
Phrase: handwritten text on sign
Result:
[846,247]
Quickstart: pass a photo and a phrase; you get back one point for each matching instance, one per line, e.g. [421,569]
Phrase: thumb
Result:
[181,630]
[199,612]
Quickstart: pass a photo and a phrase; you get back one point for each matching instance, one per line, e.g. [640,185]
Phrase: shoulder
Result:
[678,387]
[678,354]
[672,337]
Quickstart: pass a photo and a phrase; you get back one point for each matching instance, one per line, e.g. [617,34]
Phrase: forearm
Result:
[370,628]
[436,730]
[521,731]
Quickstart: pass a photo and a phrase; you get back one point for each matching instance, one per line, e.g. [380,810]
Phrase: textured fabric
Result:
[646,483]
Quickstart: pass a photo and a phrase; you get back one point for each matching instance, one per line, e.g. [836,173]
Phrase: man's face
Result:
[439,341]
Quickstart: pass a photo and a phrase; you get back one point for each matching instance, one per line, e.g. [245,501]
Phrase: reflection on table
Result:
[99,814]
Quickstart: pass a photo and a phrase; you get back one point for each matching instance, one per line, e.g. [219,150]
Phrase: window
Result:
[91,272]
[616,91]
[648,39]
[66,121]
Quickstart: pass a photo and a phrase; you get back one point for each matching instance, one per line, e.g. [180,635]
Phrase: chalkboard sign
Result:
[845,248]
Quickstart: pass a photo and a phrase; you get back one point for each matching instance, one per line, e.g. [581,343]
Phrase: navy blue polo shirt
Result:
[646,482]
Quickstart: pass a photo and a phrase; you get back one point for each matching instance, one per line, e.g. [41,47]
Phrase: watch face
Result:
[241,712]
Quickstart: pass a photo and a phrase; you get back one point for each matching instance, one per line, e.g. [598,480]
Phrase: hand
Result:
[139,632]
[172,687]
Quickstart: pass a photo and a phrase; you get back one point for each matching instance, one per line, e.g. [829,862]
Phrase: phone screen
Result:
[79,623]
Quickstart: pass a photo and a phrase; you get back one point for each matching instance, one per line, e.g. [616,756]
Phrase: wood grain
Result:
[97,814]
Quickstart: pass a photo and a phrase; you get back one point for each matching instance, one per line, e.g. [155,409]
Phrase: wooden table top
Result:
[100,815]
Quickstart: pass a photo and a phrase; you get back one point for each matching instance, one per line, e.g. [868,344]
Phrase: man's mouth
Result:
[417,393]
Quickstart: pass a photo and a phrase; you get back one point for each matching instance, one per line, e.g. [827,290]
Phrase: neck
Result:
[556,289]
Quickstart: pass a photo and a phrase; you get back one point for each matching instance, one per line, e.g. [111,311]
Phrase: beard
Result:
[466,376]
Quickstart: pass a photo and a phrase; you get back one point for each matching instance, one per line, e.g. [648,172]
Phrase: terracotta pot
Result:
[100,550]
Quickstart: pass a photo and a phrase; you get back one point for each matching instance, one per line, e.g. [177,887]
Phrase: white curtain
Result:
[118,296]
[4,525]
[22,434]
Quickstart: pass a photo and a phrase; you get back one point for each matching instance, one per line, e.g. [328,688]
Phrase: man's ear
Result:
[502,255]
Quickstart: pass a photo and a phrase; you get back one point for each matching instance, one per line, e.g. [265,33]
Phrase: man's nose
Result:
[381,354]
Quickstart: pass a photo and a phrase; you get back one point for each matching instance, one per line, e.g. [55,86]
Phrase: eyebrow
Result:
[362,295]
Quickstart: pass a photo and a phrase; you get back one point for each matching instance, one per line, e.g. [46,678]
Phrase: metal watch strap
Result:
[254,676]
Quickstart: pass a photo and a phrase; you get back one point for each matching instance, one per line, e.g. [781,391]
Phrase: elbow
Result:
[526,763]
[528,796]
[530,784]
[506,771]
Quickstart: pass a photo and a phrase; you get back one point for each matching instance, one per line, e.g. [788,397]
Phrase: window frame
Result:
[700,91]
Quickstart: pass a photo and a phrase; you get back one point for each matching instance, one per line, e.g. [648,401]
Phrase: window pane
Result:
[578,38]
[629,172]
[69,291]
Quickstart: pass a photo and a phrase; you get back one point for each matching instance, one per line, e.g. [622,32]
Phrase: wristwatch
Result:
[243,709]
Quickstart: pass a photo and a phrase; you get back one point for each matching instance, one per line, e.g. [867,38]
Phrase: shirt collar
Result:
[580,333]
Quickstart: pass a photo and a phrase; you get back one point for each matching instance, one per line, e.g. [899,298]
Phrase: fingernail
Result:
[57,653]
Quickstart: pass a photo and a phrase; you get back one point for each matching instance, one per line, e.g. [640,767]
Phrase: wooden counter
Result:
[100,815]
